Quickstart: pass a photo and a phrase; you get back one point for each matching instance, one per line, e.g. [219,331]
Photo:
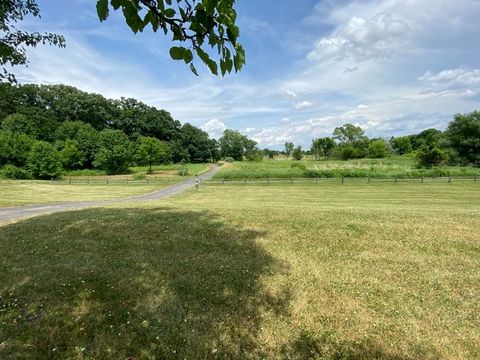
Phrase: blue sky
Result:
[392,67]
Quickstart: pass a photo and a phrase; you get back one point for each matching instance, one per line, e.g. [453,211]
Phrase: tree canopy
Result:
[204,29]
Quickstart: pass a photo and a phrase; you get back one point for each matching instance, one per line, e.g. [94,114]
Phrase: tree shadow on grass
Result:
[133,283]
[328,346]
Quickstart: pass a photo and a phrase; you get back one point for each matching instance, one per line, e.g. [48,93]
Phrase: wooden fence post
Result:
[245,181]
[268,180]
[475,178]
[449,179]
[368,181]
[223,181]
[343,179]
[422,179]
[395,179]
[291,180]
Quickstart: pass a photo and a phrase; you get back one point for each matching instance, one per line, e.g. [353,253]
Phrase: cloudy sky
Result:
[390,66]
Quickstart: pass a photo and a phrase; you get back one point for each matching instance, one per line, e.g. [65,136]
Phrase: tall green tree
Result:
[348,133]
[202,28]
[289,146]
[44,161]
[14,148]
[13,41]
[297,153]
[322,146]
[232,144]
[152,151]
[463,134]
[378,149]
[401,144]
[115,153]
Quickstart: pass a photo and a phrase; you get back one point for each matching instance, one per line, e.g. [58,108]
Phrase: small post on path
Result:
[197,181]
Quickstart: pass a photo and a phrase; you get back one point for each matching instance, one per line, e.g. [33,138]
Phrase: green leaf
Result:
[116,4]
[134,21]
[177,52]
[102,9]
[187,56]
[193,69]
[170,13]
[213,67]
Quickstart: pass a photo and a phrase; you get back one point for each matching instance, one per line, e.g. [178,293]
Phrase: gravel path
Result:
[12,214]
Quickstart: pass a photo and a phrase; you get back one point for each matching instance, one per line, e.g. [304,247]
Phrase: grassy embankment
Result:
[396,166]
[91,188]
[359,271]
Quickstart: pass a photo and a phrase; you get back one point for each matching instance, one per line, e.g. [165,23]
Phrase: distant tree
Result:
[251,149]
[196,142]
[378,149]
[13,40]
[19,123]
[86,137]
[201,25]
[152,151]
[232,144]
[214,150]
[116,152]
[322,146]
[14,148]
[463,134]
[297,153]
[428,137]
[71,155]
[401,145]
[429,156]
[289,146]
[44,161]
[348,133]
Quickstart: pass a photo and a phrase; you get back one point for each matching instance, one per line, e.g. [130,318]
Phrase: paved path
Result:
[11,214]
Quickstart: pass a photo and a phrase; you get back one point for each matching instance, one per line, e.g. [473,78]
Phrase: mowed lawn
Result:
[327,271]
[25,192]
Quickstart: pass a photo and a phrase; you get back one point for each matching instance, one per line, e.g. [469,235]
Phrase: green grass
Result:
[169,170]
[359,271]
[395,166]
[25,192]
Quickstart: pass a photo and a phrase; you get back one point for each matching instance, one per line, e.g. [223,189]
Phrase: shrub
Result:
[377,149]
[182,171]
[44,161]
[431,156]
[13,172]
[229,159]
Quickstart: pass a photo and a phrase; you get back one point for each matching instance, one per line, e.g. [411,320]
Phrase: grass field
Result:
[395,166]
[158,171]
[359,271]
[25,192]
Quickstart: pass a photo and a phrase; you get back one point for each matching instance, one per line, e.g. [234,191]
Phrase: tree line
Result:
[45,129]
[458,145]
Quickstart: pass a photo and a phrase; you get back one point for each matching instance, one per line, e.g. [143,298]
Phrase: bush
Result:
[229,159]
[44,161]
[183,171]
[431,156]
[377,149]
[14,173]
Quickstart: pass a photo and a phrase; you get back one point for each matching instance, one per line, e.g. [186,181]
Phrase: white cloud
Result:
[362,106]
[291,93]
[285,120]
[362,39]
[303,105]
[214,128]
[459,76]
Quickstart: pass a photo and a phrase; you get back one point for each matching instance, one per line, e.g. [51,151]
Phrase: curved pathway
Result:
[11,214]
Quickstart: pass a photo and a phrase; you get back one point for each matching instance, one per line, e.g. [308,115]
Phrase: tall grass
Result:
[399,166]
